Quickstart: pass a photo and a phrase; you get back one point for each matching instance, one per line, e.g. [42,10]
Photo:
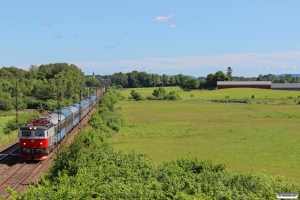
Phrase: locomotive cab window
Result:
[26,133]
[39,133]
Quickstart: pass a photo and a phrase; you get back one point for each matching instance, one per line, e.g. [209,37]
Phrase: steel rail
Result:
[8,151]
[16,178]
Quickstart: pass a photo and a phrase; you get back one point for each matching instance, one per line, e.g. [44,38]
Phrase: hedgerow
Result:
[91,169]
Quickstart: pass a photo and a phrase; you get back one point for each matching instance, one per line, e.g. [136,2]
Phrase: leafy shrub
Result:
[119,87]
[137,96]
[150,97]
[98,124]
[159,93]
[252,96]
[123,97]
[110,98]
[173,96]
[113,119]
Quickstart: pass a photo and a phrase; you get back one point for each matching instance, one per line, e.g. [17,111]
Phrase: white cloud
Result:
[163,18]
[295,67]
[282,67]
[172,26]
[45,24]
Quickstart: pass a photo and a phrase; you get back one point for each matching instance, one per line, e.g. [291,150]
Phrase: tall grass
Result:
[6,138]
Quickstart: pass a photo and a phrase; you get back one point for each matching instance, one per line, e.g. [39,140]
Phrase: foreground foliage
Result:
[91,169]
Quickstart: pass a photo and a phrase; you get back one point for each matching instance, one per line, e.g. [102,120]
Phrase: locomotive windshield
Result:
[39,133]
[26,133]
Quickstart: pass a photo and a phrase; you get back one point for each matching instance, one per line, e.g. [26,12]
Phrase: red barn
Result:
[244,84]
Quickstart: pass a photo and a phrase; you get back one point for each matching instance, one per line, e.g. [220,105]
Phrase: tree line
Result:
[137,79]
[44,87]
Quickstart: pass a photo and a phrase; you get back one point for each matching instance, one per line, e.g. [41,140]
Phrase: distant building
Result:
[286,86]
[258,84]
[244,84]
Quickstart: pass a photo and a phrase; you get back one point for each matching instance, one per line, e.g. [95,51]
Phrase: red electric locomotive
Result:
[36,139]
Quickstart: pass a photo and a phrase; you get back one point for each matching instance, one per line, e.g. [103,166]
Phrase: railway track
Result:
[6,153]
[17,176]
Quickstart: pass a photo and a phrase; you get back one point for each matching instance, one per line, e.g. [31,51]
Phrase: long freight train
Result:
[38,137]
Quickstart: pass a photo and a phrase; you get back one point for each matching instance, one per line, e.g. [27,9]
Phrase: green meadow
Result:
[262,135]
[6,138]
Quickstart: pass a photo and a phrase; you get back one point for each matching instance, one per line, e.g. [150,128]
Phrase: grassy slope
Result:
[6,138]
[246,137]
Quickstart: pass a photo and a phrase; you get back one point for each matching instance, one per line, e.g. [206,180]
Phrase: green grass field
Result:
[260,135]
[6,138]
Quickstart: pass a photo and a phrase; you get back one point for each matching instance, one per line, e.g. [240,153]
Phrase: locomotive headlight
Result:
[24,143]
[41,143]
[34,128]
[30,128]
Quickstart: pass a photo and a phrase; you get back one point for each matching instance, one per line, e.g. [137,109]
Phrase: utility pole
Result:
[59,119]
[79,110]
[17,114]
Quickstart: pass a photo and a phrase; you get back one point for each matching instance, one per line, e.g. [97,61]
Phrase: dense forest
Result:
[45,87]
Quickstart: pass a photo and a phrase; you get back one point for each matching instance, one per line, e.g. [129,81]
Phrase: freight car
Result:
[38,137]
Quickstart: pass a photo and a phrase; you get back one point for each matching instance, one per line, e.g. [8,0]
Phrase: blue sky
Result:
[192,37]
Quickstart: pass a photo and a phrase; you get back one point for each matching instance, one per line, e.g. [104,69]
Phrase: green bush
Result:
[119,87]
[161,94]
[150,97]
[173,96]
[137,96]
[114,119]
